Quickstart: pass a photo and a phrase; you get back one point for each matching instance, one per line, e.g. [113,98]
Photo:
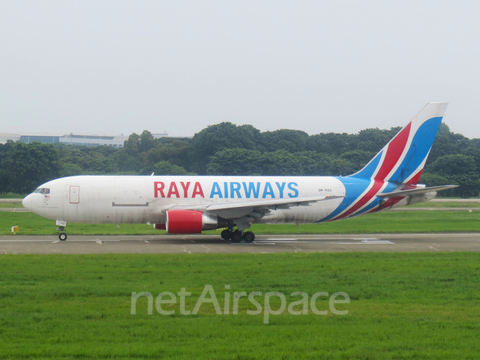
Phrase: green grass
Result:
[446,205]
[403,306]
[12,196]
[385,222]
[11,205]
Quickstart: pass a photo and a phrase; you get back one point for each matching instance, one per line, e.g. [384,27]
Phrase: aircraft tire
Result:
[249,237]
[62,236]
[237,236]
[226,234]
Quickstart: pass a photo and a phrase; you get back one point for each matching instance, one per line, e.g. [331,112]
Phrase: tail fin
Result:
[403,158]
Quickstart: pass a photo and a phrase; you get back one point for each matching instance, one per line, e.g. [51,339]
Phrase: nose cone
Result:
[27,202]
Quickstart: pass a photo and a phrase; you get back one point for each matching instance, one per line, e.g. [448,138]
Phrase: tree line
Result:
[228,149]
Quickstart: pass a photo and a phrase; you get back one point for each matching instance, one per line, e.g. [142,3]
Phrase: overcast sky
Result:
[112,67]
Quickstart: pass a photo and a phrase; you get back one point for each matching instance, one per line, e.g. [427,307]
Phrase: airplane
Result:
[191,204]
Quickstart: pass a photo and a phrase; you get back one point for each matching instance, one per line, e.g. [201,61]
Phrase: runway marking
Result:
[377,242]
[58,241]
[260,242]
[297,248]
[359,241]
[285,242]
[103,241]
[50,240]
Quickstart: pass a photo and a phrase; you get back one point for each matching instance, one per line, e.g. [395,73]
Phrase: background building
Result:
[5,137]
[72,139]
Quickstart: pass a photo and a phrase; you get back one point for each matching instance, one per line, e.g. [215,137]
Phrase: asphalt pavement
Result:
[201,244]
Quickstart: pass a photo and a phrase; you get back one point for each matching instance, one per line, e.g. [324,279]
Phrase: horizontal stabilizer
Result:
[402,193]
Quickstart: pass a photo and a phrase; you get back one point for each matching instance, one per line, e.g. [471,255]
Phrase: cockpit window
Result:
[42,191]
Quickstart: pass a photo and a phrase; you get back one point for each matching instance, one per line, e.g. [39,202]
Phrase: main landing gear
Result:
[237,235]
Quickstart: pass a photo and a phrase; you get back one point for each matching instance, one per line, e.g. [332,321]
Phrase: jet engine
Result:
[192,222]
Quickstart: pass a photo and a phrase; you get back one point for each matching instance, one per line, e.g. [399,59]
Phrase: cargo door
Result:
[74,195]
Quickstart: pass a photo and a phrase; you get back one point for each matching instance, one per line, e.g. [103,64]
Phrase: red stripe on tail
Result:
[416,178]
[394,151]
[369,195]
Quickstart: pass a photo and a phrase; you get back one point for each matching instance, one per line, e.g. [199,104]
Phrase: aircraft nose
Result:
[27,202]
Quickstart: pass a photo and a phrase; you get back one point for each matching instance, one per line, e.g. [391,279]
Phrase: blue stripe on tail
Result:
[367,171]
[418,151]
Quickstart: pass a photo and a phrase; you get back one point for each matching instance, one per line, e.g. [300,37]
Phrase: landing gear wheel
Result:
[237,236]
[226,234]
[62,236]
[249,237]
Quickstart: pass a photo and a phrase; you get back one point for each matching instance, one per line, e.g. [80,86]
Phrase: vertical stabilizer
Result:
[403,158]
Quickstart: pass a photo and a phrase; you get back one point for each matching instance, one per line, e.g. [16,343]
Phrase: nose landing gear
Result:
[61,227]
[62,236]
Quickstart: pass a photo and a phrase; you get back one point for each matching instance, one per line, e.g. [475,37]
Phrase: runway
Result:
[201,244]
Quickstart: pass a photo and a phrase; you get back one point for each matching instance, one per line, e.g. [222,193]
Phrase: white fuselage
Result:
[145,199]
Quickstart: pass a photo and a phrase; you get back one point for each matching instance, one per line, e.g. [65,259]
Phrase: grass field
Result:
[385,222]
[12,196]
[11,205]
[446,205]
[403,306]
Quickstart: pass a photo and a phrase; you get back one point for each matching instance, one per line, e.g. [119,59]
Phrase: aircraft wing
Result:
[239,209]
[402,193]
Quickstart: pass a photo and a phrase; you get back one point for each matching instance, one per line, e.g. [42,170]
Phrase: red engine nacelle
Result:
[192,222]
[184,222]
